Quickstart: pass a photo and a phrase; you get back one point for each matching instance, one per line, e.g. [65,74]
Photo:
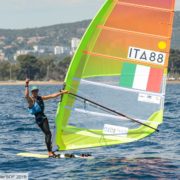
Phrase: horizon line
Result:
[28,28]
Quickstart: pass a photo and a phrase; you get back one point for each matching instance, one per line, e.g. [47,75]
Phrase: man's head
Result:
[34,91]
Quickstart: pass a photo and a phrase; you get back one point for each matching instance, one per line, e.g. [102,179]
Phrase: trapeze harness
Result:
[38,110]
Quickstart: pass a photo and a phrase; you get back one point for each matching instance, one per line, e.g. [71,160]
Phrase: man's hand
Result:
[64,91]
[27,81]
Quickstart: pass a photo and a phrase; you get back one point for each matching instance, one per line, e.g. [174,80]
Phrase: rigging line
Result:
[103,109]
[82,100]
[95,106]
[118,113]
[91,104]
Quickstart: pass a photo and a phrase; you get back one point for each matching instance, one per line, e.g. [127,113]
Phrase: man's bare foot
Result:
[51,154]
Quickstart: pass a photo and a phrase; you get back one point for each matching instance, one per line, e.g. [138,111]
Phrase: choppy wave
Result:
[156,157]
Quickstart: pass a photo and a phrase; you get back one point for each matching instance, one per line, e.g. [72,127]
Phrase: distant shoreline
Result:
[173,82]
[11,83]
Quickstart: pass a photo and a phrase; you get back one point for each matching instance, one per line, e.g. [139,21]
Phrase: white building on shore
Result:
[22,52]
[2,56]
[74,44]
[43,49]
[58,50]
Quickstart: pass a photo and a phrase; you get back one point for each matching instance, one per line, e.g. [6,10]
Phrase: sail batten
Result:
[109,115]
[123,59]
[145,7]
[117,77]
[121,88]
[134,32]
[167,4]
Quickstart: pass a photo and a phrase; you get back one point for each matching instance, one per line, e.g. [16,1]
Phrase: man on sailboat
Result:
[36,107]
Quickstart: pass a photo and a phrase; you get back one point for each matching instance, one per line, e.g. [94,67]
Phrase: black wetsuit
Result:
[42,122]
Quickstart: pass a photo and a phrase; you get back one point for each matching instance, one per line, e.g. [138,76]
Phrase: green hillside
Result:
[62,34]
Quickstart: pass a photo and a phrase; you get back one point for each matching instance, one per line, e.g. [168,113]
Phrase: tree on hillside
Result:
[29,67]
[47,67]
[174,64]
[62,67]
[4,70]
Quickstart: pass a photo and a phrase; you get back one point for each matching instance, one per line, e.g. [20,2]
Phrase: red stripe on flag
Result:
[155,80]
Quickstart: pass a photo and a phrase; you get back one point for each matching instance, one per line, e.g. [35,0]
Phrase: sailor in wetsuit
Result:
[36,107]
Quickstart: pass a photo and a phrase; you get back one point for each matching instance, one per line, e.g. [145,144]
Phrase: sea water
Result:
[155,157]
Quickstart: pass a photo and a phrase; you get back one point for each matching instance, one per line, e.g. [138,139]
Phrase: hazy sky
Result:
[36,13]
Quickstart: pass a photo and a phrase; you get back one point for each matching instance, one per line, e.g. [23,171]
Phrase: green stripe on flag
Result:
[127,75]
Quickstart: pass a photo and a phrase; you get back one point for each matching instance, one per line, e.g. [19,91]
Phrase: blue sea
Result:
[156,157]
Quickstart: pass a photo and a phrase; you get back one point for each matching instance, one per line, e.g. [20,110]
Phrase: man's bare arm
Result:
[28,98]
[52,96]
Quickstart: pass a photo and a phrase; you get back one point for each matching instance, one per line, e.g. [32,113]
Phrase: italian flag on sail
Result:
[141,77]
